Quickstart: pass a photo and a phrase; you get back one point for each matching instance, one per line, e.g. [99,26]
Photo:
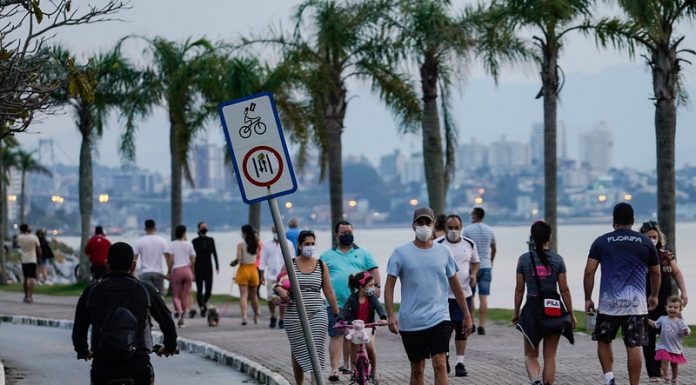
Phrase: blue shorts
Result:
[333,332]
[483,281]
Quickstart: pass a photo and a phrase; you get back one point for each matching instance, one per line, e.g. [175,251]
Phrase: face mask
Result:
[654,241]
[370,291]
[453,235]
[203,231]
[423,233]
[308,251]
[345,239]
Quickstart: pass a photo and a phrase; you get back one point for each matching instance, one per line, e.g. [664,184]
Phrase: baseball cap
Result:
[426,212]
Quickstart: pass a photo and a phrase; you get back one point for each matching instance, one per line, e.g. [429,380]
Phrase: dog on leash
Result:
[213,317]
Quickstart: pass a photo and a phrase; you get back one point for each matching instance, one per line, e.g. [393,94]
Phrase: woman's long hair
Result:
[250,238]
[541,233]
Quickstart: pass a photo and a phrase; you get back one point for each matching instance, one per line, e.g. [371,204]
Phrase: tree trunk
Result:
[255,215]
[177,169]
[433,161]
[665,71]
[549,78]
[85,191]
[3,214]
[334,114]
[22,201]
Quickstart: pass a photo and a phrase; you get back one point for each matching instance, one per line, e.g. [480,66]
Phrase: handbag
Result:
[550,300]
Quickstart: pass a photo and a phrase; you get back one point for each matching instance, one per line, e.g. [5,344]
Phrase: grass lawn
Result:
[59,290]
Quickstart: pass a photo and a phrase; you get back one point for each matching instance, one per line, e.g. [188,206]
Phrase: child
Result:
[284,281]
[672,332]
[361,305]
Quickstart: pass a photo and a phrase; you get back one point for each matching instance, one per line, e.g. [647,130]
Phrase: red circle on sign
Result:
[255,150]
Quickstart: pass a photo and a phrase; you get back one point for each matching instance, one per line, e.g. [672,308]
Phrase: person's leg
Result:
[371,355]
[297,371]
[254,302]
[664,367]
[31,284]
[208,280]
[177,290]
[531,360]
[187,285]
[440,369]
[25,286]
[675,371]
[483,310]
[335,347]
[606,356]
[418,372]
[347,362]
[199,287]
[243,293]
[652,367]
[550,348]
[635,362]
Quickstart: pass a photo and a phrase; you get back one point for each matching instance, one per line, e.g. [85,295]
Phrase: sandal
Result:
[333,377]
[343,370]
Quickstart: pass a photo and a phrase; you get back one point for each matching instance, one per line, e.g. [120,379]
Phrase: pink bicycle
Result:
[360,334]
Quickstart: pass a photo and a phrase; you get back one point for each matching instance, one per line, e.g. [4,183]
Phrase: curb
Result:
[252,369]
[2,374]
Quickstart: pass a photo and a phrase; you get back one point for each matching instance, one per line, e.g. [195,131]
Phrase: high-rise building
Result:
[391,166]
[536,143]
[596,148]
[201,165]
[505,156]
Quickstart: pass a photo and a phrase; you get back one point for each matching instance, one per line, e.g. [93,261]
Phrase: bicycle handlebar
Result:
[350,326]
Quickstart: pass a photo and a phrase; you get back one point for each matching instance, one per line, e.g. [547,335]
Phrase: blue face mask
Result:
[370,291]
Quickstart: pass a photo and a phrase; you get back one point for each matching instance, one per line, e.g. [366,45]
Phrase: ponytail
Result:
[541,233]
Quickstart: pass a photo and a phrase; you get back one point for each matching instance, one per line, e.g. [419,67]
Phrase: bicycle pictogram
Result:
[251,124]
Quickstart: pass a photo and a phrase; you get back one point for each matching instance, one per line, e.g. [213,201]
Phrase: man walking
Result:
[464,252]
[483,237]
[343,260]
[271,264]
[152,249]
[293,232]
[118,309]
[626,257]
[30,250]
[97,249]
[204,246]
[424,320]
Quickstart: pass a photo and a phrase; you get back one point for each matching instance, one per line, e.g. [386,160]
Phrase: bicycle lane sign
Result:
[257,147]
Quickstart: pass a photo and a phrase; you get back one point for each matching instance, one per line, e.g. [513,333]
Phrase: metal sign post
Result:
[263,169]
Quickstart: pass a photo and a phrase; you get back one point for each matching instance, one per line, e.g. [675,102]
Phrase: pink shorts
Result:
[663,355]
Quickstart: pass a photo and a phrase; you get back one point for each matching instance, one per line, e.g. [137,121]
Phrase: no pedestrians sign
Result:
[257,146]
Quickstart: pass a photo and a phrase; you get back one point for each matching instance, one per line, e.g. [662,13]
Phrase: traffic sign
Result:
[257,146]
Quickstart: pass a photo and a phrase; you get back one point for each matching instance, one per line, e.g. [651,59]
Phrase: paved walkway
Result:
[495,358]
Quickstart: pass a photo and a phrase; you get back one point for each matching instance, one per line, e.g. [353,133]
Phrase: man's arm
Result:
[461,301]
[38,249]
[389,303]
[588,283]
[378,279]
[473,272]
[494,250]
[161,314]
[80,327]
[215,256]
[655,279]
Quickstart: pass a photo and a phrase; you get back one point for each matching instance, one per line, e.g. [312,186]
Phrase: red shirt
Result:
[97,249]
[363,311]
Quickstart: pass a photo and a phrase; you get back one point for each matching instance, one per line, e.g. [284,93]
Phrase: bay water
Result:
[574,243]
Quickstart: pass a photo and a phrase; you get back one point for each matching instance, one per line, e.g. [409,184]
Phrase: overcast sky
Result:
[600,86]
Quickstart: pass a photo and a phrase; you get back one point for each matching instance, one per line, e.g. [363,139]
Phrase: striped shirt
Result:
[483,237]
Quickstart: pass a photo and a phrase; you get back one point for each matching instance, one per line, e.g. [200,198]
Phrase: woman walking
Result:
[247,274]
[668,270]
[313,278]
[543,316]
[183,261]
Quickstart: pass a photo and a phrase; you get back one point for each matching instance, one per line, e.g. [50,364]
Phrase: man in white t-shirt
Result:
[464,252]
[153,250]
[271,264]
[30,249]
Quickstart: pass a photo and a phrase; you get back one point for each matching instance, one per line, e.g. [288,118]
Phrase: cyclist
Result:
[106,301]
[361,305]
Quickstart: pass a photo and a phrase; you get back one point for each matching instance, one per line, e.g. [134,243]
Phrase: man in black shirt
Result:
[99,306]
[205,248]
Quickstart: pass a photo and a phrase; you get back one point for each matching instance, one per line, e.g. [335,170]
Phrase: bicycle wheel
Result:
[260,128]
[362,369]
[245,131]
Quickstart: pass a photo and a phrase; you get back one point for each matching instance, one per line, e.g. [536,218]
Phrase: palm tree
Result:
[240,76]
[26,163]
[549,22]
[104,84]
[8,159]
[334,41]
[651,25]
[440,43]
[176,77]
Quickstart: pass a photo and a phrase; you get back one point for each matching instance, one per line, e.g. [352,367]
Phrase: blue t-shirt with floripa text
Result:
[424,276]
[624,256]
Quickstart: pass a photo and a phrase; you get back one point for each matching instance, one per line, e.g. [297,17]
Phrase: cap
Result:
[424,212]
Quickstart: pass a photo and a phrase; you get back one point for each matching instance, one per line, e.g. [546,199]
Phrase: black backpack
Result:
[120,330]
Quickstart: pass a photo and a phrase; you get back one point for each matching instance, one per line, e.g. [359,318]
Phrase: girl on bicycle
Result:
[362,305]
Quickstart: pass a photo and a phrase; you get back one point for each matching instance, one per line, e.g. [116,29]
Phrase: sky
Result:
[600,85]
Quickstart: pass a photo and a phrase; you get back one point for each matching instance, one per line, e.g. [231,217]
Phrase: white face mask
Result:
[654,241]
[453,235]
[423,233]
[308,251]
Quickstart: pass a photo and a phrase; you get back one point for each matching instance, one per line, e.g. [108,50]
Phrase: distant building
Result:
[201,165]
[391,166]
[413,169]
[596,149]
[536,143]
[508,157]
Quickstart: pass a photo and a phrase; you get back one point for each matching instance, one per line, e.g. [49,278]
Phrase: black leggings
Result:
[204,279]
[652,366]
[138,374]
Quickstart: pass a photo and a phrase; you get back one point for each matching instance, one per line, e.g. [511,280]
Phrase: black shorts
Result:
[457,316]
[423,344]
[633,327]
[140,374]
[29,270]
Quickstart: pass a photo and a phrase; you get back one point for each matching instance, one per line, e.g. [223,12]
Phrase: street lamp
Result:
[413,202]
[57,199]
[478,200]
[602,198]
[628,197]
[288,205]
[352,203]
[482,191]
[12,198]
[103,198]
